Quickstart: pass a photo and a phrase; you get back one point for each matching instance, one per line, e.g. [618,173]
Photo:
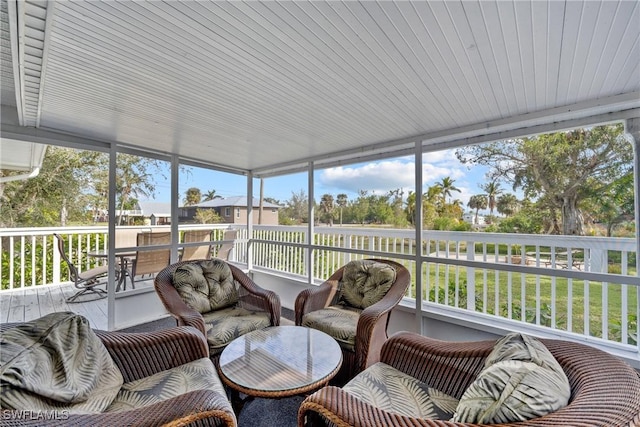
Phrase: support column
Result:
[249,246]
[418,224]
[311,224]
[175,200]
[632,128]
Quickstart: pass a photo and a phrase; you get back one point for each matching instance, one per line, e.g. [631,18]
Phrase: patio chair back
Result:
[196,252]
[227,246]
[151,262]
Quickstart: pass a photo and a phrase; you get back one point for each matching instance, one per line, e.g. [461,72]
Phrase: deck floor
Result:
[23,305]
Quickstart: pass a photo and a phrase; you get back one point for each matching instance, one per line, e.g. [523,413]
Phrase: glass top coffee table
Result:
[280,361]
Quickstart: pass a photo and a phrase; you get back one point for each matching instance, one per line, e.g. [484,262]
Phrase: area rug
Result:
[270,412]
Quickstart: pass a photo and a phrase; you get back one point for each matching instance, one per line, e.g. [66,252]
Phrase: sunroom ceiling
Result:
[267,86]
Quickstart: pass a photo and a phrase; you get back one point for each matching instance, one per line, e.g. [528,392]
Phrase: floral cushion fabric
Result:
[206,285]
[365,282]
[339,321]
[391,390]
[197,375]
[223,326]
[56,362]
[521,381]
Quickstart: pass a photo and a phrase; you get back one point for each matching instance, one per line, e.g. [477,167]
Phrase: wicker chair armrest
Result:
[344,410]
[447,366]
[255,297]
[204,407]
[139,355]
[312,299]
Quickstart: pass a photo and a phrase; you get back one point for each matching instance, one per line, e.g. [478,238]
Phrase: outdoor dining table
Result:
[124,259]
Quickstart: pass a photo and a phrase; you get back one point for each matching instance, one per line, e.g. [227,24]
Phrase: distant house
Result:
[158,213]
[471,218]
[233,210]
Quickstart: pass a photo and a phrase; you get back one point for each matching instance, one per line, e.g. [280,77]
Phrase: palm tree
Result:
[326,204]
[507,204]
[446,187]
[342,202]
[210,195]
[477,202]
[493,190]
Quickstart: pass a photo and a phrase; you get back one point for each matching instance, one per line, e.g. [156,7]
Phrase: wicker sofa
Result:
[604,391]
[138,357]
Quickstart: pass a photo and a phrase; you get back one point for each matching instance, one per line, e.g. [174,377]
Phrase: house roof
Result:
[236,201]
[274,85]
[155,208]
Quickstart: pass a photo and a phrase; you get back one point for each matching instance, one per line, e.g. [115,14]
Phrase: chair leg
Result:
[74,298]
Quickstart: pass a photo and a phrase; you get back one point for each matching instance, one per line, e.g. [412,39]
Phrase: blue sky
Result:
[377,177]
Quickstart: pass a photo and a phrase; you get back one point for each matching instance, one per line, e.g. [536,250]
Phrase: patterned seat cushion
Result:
[365,282]
[197,375]
[391,390]
[521,381]
[223,326]
[206,285]
[338,321]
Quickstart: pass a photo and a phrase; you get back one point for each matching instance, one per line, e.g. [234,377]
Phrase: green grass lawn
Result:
[492,290]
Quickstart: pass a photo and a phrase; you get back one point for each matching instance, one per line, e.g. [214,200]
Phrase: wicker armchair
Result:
[371,328]
[604,390]
[137,356]
[252,298]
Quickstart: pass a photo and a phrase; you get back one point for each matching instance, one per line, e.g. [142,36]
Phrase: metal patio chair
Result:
[87,281]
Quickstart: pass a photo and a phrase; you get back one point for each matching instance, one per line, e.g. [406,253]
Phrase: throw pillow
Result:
[192,286]
[206,285]
[521,381]
[222,287]
[365,282]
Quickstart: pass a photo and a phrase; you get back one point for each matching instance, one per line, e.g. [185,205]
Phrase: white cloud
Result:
[383,176]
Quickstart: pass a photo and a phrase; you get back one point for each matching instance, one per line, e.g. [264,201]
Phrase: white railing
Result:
[30,256]
[582,285]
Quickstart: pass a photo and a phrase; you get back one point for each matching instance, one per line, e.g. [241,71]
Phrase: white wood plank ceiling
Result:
[262,85]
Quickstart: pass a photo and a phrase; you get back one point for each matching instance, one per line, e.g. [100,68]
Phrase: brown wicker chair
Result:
[371,330]
[139,355]
[251,297]
[604,390]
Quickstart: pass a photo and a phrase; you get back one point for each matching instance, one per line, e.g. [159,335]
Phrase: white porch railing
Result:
[30,256]
[581,285]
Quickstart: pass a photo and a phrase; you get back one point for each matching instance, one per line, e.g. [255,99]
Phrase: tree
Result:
[326,206]
[136,176]
[446,187]
[558,169]
[192,196]
[58,193]
[493,190]
[210,195]
[507,204]
[615,203]
[296,209]
[477,202]
[361,206]
[342,202]
[207,216]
